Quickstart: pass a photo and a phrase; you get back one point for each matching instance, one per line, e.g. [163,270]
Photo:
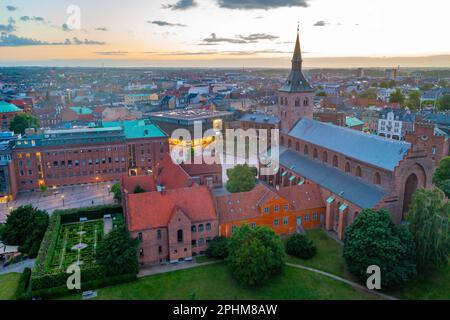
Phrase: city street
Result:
[62,198]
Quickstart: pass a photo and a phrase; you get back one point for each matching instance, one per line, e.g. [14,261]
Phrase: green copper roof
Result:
[81,110]
[8,107]
[136,129]
[352,122]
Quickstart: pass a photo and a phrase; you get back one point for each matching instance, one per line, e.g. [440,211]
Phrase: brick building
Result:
[354,170]
[7,113]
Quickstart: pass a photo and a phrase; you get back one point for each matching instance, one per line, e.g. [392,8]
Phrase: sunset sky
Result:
[225,33]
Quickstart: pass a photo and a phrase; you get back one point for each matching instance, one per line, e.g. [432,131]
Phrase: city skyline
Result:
[194,33]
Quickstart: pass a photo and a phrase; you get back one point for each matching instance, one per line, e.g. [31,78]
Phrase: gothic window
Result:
[325,157]
[281,100]
[358,171]
[347,167]
[335,161]
[377,178]
[306,102]
[297,102]
[180,235]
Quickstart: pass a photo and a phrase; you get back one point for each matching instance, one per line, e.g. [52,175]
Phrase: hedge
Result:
[22,286]
[61,291]
[41,278]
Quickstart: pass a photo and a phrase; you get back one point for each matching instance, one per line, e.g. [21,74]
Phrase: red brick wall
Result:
[179,250]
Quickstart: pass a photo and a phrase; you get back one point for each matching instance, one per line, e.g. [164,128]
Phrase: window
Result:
[335,161]
[276,208]
[285,220]
[307,217]
[266,210]
[297,102]
[233,228]
[180,235]
[141,252]
[306,102]
[347,167]
[194,243]
[305,149]
[193,229]
[140,236]
[208,226]
[314,216]
[325,157]
[433,150]
[158,234]
[275,222]
[286,207]
[201,241]
[253,225]
[315,155]
[358,171]
[160,249]
[377,178]
[200,228]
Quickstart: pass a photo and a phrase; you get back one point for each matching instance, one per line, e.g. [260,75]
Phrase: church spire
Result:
[297,57]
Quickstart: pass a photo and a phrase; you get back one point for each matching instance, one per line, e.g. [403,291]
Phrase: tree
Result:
[117,252]
[255,255]
[117,192]
[25,227]
[414,100]
[372,239]
[301,247]
[218,248]
[370,93]
[23,121]
[139,189]
[441,177]
[429,223]
[444,102]
[241,178]
[427,86]
[397,97]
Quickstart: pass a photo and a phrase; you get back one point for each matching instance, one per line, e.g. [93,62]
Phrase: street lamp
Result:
[62,197]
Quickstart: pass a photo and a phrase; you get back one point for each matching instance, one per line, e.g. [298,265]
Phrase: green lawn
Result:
[8,285]
[329,255]
[428,286]
[214,282]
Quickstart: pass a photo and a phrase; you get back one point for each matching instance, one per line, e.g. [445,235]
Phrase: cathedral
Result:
[354,170]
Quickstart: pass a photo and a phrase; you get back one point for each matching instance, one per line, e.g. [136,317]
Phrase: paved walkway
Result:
[18,267]
[353,284]
[173,267]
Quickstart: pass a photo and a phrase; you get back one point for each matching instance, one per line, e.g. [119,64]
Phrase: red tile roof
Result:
[306,196]
[244,205]
[171,175]
[146,182]
[154,209]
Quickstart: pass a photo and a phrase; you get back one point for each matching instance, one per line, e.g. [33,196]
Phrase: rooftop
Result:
[136,129]
[260,118]
[190,114]
[6,107]
[81,110]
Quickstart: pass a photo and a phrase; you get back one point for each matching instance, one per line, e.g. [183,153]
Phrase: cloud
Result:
[11,8]
[181,5]
[166,24]
[112,53]
[102,29]
[65,27]
[8,28]
[213,39]
[320,23]
[215,52]
[34,18]
[11,40]
[261,4]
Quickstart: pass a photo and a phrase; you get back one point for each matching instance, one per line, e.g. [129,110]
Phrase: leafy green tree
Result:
[218,248]
[23,121]
[429,223]
[139,189]
[444,102]
[372,239]
[241,178]
[117,192]
[370,93]
[300,246]
[255,255]
[397,97]
[427,86]
[413,102]
[321,94]
[441,177]
[25,227]
[117,252]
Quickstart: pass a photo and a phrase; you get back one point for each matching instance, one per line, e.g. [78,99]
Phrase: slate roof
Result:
[260,118]
[353,189]
[378,151]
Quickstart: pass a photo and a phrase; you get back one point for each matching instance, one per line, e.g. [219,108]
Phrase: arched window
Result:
[297,146]
[281,100]
[180,235]
[335,161]
[325,157]
[315,153]
[305,149]
[289,143]
[297,102]
[358,171]
[306,102]
[285,101]
[193,229]
[208,226]
[200,228]
[377,178]
[347,167]
[282,140]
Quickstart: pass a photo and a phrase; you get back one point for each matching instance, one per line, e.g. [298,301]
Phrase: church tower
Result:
[296,96]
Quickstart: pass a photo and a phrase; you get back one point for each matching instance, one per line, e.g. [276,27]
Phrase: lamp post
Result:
[62,197]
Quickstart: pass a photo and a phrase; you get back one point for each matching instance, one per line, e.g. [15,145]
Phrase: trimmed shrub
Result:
[22,287]
[301,247]
[218,248]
